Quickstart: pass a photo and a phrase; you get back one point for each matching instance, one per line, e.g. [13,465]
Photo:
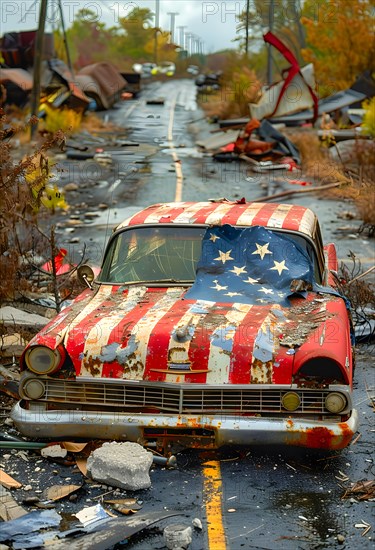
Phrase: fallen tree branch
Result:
[298,191]
[362,275]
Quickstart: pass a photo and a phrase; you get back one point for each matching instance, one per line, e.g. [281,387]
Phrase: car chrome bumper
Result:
[217,430]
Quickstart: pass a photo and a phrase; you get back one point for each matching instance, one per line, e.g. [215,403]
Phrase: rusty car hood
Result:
[156,334]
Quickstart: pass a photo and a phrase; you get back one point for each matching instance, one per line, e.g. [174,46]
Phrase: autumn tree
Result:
[340,41]
[134,33]
[88,39]
[166,51]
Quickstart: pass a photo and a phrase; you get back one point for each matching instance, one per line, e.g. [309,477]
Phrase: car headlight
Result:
[43,360]
[335,402]
[291,401]
[34,388]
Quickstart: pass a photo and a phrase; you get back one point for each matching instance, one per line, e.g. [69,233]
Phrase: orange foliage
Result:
[340,41]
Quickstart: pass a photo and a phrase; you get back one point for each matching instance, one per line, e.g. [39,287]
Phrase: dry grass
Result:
[316,162]
[355,172]
[92,123]
[239,87]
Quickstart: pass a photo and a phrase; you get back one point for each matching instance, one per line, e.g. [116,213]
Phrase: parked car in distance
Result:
[165,67]
[147,69]
[193,70]
[210,323]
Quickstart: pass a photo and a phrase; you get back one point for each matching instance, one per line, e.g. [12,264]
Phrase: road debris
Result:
[112,531]
[125,465]
[364,525]
[57,492]
[9,508]
[8,482]
[177,536]
[342,477]
[53,451]
[197,523]
[125,506]
[361,490]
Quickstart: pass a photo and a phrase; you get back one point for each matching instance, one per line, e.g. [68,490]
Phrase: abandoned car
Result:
[210,323]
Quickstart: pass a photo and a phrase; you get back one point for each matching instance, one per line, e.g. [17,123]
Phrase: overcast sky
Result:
[214,22]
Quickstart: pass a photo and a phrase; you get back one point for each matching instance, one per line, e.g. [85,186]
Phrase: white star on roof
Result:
[224,256]
[231,294]
[266,290]
[261,301]
[262,250]
[214,238]
[279,267]
[238,270]
[218,287]
[251,281]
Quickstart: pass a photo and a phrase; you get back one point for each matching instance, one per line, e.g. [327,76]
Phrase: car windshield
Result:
[153,254]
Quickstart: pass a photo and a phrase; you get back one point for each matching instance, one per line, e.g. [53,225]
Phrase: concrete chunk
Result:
[12,316]
[125,465]
[177,537]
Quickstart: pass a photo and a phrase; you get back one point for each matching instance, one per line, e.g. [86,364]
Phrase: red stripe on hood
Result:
[52,334]
[158,344]
[243,344]
[76,337]
[199,352]
[123,330]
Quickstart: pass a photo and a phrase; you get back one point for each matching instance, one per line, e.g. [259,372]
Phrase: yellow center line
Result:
[212,491]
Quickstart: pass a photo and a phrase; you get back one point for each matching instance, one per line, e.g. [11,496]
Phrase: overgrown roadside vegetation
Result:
[30,199]
[28,195]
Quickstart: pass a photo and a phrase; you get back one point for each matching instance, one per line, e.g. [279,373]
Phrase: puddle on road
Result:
[311,510]
[190,152]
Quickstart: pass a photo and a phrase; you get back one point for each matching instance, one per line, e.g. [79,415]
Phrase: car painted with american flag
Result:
[209,323]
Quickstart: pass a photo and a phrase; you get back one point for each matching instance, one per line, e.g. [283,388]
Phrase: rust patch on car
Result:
[321,437]
[132,366]
[92,365]
[261,373]
[293,332]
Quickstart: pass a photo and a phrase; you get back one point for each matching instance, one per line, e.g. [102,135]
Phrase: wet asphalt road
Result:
[284,498]
[246,498]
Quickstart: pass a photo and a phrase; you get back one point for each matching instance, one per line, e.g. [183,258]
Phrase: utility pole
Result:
[247,27]
[173,19]
[157,13]
[269,57]
[182,36]
[65,39]
[39,42]
[188,37]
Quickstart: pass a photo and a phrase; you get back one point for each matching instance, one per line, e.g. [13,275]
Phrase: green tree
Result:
[88,39]
[133,34]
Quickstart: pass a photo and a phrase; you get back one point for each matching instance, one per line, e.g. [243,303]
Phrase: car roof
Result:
[286,217]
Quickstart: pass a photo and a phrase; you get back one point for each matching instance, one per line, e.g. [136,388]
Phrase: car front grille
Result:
[179,399]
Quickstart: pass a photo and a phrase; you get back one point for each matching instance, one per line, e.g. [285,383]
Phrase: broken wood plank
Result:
[9,508]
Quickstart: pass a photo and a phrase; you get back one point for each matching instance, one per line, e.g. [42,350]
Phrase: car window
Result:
[164,253]
[153,254]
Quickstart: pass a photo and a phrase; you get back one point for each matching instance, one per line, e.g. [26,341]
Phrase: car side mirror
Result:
[86,275]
